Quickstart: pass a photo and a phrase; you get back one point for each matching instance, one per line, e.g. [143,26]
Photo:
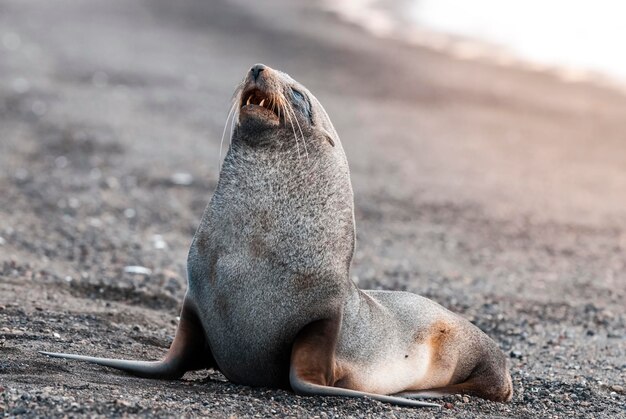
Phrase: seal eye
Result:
[297,95]
[301,103]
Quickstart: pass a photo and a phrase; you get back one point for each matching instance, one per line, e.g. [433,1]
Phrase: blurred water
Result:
[579,37]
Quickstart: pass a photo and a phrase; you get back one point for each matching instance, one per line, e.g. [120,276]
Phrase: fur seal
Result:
[270,301]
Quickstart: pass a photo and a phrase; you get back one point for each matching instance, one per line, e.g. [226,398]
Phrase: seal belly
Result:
[250,330]
[392,372]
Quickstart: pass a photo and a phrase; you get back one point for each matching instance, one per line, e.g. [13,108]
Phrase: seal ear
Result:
[328,137]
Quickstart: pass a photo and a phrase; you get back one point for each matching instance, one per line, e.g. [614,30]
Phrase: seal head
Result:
[273,107]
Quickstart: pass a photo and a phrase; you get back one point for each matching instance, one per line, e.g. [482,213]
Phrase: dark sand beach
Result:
[499,193]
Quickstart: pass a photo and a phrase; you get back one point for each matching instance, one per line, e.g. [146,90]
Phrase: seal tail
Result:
[189,351]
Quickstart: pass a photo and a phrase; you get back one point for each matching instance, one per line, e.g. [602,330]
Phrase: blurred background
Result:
[487,145]
[574,39]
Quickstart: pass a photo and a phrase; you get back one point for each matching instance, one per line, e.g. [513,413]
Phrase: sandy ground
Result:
[496,192]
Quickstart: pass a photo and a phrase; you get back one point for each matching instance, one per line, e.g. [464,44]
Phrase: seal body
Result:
[272,254]
[270,301]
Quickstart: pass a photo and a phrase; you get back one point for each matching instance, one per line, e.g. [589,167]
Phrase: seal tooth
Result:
[262,102]
[249,98]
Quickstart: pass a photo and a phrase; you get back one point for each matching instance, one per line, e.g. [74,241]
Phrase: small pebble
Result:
[182,179]
[20,410]
[138,270]
[158,242]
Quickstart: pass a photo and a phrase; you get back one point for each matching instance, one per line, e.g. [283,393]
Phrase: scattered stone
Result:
[61,162]
[123,403]
[618,389]
[181,179]
[448,405]
[20,410]
[21,174]
[137,270]
[158,242]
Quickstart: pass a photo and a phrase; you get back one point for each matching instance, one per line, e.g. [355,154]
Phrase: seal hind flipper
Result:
[490,388]
[426,394]
[189,351]
[494,387]
[312,371]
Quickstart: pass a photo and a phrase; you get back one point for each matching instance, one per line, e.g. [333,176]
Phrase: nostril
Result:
[256,70]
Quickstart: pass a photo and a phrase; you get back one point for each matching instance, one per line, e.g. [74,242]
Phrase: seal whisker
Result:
[232,126]
[230,112]
[275,108]
[276,105]
[285,109]
[293,112]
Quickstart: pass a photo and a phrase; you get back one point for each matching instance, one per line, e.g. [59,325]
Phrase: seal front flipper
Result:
[313,371]
[189,351]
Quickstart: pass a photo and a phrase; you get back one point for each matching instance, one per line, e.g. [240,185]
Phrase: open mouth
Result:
[257,100]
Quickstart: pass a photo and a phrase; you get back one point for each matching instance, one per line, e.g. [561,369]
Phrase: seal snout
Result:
[260,96]
[256,70]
